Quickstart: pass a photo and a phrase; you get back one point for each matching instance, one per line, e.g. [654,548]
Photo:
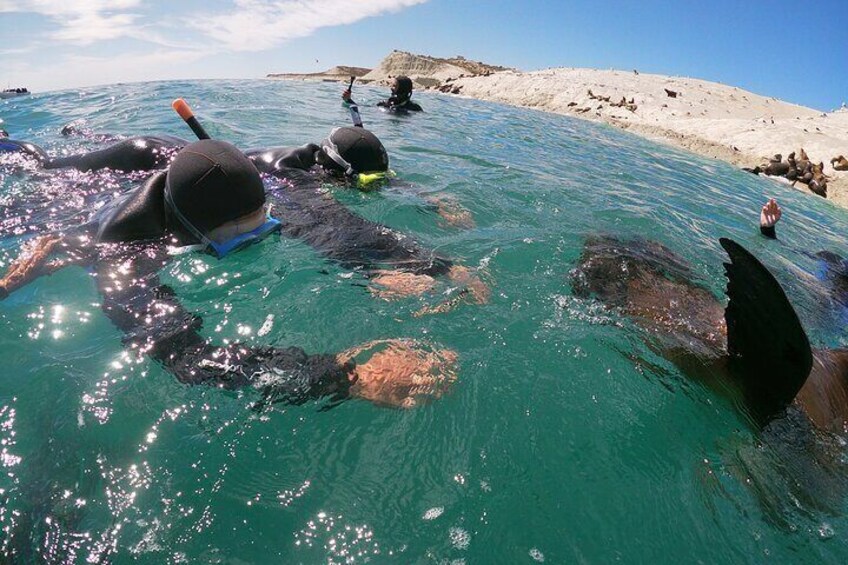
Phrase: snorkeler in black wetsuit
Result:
[213,198]
[401,99]
[318,219]
[392,260]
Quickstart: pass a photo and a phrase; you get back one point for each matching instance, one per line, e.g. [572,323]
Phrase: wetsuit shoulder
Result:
[25,147]
[277,158]
[138,216]
[413,107]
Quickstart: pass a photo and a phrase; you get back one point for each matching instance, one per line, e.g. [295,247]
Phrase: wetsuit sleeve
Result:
[769,232]
[277,159]
[134,154]
[153,322]
[319,220]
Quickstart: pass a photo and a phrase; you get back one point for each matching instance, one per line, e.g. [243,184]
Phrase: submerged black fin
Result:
[768,347]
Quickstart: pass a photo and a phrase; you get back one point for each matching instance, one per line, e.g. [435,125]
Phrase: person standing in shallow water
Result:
[212,199]
[399,101]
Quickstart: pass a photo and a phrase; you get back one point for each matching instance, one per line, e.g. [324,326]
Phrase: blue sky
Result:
[795,51]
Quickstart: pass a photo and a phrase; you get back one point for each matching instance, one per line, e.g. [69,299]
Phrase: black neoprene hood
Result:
[361,149]
[211,182]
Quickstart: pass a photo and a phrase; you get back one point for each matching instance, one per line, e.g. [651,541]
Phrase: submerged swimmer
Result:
[212,198]
[755,344]
[399,101]
[832,269]
[312,215]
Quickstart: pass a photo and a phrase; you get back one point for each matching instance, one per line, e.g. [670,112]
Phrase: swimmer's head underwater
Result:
[355,153]
[216,198]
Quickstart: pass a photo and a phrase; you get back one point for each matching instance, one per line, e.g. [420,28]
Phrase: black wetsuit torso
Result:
[155,323]
[395,104]
[306,211]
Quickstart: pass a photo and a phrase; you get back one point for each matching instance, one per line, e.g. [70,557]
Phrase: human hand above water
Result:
[770,214]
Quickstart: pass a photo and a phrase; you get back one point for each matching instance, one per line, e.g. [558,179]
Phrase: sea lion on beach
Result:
[756,344]
[777,168]
[839,163]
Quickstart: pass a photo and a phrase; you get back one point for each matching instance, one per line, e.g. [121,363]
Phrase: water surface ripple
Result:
[554,445]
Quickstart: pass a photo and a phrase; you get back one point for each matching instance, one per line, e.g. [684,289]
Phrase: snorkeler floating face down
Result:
[395,263]
[355,153]
[217,198]
[213,197]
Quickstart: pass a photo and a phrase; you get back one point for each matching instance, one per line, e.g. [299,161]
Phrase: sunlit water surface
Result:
[554,445]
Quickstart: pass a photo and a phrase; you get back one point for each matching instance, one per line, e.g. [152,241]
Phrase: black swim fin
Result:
[768,348]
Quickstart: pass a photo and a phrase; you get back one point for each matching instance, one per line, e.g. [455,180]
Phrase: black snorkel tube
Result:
[184,110]
[354,109]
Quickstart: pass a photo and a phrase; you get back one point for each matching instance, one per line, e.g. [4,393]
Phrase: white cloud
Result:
[175,46]
[250,25]
[257,25]
[163,64]
[82,22]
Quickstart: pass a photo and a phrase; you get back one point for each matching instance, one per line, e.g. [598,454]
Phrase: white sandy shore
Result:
[707,118]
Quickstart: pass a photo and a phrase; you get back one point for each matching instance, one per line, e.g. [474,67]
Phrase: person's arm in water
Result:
[30,265]
[769,216]
[144,153]
[398,373]
[395,261]
[14,146]
[134,154]
[274,160]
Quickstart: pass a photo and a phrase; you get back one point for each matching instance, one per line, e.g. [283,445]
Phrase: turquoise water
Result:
[554,445]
